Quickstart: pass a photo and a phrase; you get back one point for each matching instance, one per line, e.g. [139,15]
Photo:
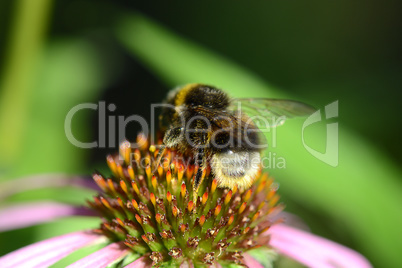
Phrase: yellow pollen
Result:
[231,219]
[242,207]
[123,186]
[135,204]
[153,199]
[228,197]
[217,210]
[175,211]
[168,177]
[105,203]
[135,187]
[202,220]
[138,218]
[213,186]
[246,230]
[120,222]
[274,200]
[154,183]
[180,173]
[256,215]
[190,206]
[183,190]
[204,198]
[160,171]
[111,164]
[130,171]
[152,148]
[247,195]
[148,171]
[121,204]
[120,171]
[158,218]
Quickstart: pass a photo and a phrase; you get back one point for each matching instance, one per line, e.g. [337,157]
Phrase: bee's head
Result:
[206,96]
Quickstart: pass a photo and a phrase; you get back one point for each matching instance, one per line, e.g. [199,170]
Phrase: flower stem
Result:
[24,45]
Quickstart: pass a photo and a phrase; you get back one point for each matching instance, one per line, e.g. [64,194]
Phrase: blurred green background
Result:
[57,54]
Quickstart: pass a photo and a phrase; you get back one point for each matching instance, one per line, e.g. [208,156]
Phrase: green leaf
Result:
[362,192]
[265,256]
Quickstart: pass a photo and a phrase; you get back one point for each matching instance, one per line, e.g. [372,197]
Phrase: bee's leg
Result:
[159,156]
[172,138]
[202,163]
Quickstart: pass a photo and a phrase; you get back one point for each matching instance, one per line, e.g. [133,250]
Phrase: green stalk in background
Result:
[362,192]
[25,43]
[41,83]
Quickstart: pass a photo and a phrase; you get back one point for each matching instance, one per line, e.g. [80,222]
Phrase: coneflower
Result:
[155,214]
[149,217]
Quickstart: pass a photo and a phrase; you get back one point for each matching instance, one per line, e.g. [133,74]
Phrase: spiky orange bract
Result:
[154,214]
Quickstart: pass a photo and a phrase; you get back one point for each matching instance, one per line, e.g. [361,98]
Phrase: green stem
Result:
[24,46]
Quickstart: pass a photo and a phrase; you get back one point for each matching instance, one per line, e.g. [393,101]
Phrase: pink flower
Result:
[304,247]
[150,220]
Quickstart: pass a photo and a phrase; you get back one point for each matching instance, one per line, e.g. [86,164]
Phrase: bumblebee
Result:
[204,122]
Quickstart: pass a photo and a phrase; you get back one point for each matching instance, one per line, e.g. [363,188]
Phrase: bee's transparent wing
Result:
[273,112]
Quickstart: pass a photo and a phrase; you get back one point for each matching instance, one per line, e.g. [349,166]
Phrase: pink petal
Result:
[312,250]
[216,265]
[302,255]
[11,187]
[23,215]
[103,257]
[251,262]
[48,252]
[140,263]
[187,264]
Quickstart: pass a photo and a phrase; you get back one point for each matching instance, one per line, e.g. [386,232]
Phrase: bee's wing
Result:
[273,111]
